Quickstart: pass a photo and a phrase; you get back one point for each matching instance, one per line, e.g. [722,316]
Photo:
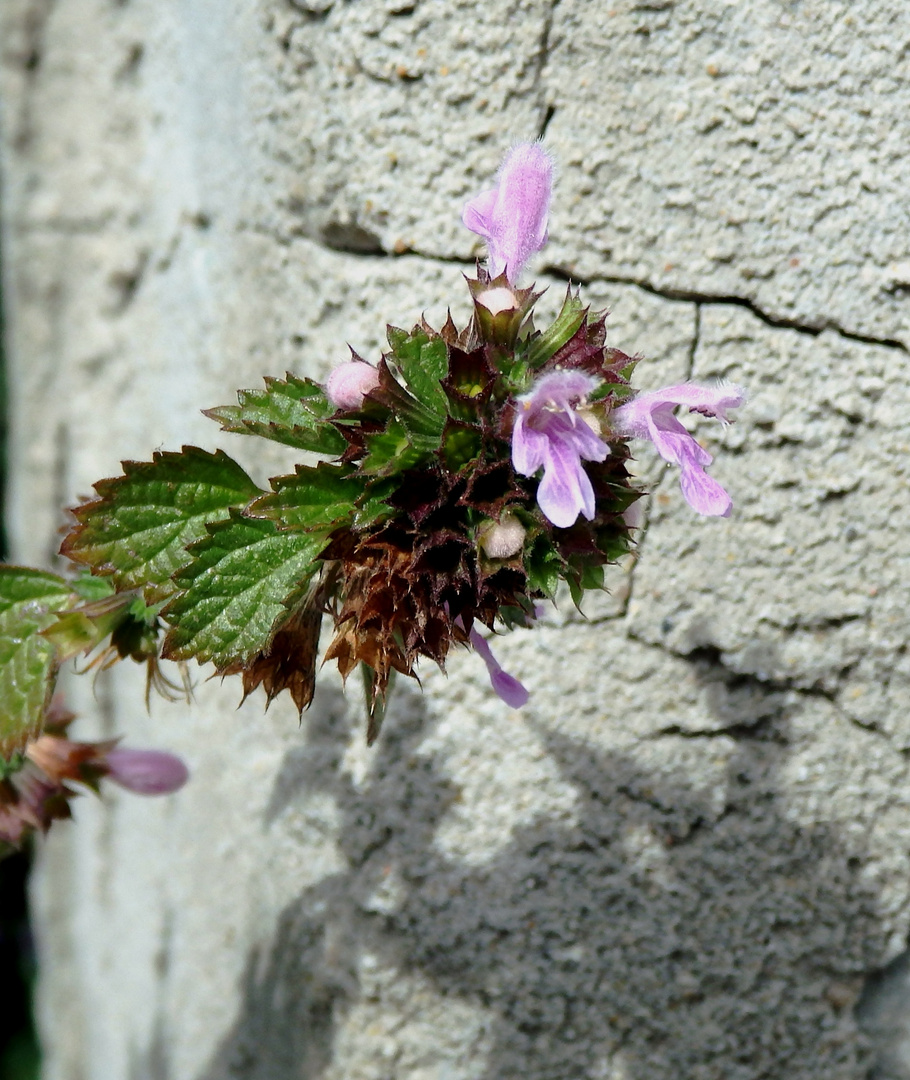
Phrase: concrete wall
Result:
[689,856]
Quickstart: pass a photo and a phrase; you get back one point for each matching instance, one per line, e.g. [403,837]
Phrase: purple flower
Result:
[650,416]
[549,433]
[147,772]
[506,686]
[512,218]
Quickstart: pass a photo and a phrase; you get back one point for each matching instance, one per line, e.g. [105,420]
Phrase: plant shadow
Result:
[660,934]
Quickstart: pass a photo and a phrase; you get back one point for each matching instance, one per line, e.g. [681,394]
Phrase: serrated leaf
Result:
[424,362]
[29,600]
[560,331]
[313,498]
[461,443]
[236,588]
[373,506]
[291,411]
[422,423]
[584,578]
[544,566]
[138,529]
[391,451]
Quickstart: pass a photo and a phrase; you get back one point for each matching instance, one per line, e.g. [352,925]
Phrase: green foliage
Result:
[423,362]
[235,589]
[124,617]
[28,663]
[372,507]
[313,498]
[544,566]
[563,327]
[291,411]
[138,528]
[390,451]
[584,578]
[461,443]
[384,538]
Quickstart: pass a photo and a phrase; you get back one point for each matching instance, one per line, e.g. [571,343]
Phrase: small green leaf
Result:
[551,340]
[124,617]
[29,600]
[236,588]
[292,411]
[89,588]
[421,422]
[391,451]
[461,443]
[583,577]
[84,627]
[544,566]
[424,362]
[138,529]
[372,506]
[313,498]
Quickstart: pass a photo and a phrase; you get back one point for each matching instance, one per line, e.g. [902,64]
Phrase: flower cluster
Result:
[461,479]
[523,479]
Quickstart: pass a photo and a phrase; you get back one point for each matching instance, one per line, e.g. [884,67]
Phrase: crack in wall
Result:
[672,294]
[547,108]
[764,729]
[693,296]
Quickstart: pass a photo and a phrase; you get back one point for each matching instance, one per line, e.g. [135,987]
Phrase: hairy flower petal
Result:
[147,772]
[548,433]
[506,686]
[565,490]
[512,217]
[650,416]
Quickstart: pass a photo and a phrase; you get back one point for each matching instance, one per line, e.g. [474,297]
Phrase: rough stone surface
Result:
[688,856]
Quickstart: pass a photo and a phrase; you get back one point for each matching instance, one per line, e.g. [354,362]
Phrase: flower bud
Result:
[147,772]
[349,383]
[501,539]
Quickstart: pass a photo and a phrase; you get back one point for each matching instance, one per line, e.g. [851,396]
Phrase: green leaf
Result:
[422,423]
[124,617]
[544,566]
[424,362]
[291,411]
[461,443]
[29,600]
[551,340]
[583,577]
[391,451]
[313,498]
[236,588]
[89,588]
[372,506]
[138,529]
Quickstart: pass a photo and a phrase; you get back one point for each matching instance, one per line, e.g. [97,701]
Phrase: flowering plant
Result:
[462,478]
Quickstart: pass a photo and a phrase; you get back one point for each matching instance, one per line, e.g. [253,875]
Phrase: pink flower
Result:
[506,686]
[147,772]
[650,416]
[550,434]
[349,383]
[512,217]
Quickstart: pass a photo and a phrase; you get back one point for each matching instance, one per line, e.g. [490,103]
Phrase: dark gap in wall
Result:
[19,1054]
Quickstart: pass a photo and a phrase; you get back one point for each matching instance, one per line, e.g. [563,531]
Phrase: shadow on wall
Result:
[735,951]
